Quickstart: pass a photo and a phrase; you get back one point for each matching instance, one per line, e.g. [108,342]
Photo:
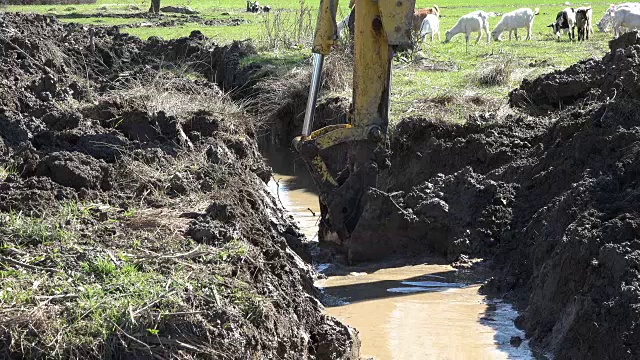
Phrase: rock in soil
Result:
[75,170]
[515,341]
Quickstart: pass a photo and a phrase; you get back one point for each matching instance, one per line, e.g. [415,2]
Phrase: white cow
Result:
[512,21]
[476,21]
[626,17]
[606,22]
[430,25]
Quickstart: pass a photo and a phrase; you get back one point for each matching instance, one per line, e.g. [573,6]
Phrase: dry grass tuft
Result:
[496,71]
[286,94]
[452,107]
[338,70]
[6,170]
[279,94]
[169,92]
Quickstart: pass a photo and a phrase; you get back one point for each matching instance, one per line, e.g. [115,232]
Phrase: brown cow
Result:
[420,14]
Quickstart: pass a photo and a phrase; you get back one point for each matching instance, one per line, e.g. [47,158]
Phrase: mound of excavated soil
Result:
[157,20]
[553,200]
[592,80]
[134,217]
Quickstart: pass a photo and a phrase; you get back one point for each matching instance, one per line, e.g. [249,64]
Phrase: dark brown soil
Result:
[548,192]
[588,81]
[134,217]
[553,201]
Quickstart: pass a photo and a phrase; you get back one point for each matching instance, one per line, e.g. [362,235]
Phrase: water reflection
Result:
[418,311]
[294,187]
[423,312]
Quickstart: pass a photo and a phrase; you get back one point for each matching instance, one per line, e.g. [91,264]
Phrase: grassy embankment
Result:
[441,69]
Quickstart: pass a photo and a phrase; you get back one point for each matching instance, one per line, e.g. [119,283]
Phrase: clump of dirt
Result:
[113,54]
[553,200]
[134,217]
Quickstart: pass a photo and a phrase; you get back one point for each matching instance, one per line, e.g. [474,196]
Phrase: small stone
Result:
[515,341]
[178,184]
[103,216]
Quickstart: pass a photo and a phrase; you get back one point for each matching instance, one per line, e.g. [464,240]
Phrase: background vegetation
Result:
[283,37]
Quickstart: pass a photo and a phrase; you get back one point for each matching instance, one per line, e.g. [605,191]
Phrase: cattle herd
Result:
[254,7]
[620,18]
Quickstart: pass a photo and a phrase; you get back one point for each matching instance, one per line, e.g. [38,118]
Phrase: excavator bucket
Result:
[345,159]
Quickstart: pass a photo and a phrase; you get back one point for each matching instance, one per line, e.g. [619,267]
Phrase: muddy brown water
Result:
[425,311]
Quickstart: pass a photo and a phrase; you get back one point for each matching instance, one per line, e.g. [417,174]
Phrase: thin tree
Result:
[155,6]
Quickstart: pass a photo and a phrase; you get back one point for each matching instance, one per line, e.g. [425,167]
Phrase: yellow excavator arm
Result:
[380,27]
[326,27]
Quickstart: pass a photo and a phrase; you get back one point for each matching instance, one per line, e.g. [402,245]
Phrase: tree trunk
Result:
[155,7]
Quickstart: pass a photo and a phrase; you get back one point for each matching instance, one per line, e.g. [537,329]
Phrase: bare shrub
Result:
[287,29]
[496,71]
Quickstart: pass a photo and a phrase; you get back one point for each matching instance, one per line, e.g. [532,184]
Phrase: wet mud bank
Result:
[548,192]
[135,218]
[410,296]
[545,189]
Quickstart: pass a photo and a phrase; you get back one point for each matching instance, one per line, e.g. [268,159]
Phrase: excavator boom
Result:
[380,27]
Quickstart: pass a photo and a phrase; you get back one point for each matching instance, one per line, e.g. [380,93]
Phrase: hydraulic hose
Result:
[316,77]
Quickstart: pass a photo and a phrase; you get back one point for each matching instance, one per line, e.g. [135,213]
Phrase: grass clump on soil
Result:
[6,170]
[170,245]
[29,230]
[455,108]
[76,293]
[99,279]
[166,91]
[496,71]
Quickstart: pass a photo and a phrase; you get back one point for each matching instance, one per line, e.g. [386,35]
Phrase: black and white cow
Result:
[566,21]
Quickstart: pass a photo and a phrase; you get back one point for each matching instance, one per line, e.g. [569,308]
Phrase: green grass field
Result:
[412,80]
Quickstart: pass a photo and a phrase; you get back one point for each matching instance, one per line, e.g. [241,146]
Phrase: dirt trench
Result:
[548,192]
[135,220]
[545,189]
